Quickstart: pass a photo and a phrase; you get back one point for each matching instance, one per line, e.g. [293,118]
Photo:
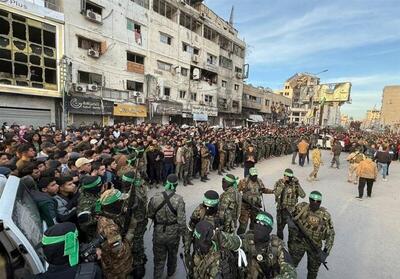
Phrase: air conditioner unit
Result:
[93,53]
[93,87]
[195,58]
[80,88]
[93,16]
[136,93]
[140,100]
[239,75]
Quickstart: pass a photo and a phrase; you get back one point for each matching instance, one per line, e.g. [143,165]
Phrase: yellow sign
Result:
[130,110]
[334,92]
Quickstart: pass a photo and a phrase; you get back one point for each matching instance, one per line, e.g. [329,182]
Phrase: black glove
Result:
[323,255]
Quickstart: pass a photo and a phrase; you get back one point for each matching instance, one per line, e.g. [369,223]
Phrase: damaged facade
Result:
[31,46]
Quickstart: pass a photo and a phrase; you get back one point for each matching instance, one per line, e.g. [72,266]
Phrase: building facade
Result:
[31,75]
[372,119]
[390,107]
[155,60]
[261,104]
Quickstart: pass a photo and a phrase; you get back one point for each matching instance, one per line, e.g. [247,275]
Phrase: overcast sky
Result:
[356,40]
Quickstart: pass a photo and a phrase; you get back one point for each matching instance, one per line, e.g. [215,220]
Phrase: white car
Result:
[21,231]
[328,141]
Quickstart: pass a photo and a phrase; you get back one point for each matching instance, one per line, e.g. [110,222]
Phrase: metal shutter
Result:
[24,116]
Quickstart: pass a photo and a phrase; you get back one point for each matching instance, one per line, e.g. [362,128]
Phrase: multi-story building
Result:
[163,60]
[372,119]
[31,49]
[390,115]
[261,104]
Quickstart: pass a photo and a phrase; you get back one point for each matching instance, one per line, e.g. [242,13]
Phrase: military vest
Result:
[288,194]
[313,223]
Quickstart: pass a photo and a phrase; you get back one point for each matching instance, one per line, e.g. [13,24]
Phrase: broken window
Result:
[88,44]
[49,38]
[4,26]
[90,78]
[184,72]
[238,51]
[237,87]
[133,57]
[208,76]
[35,60]
[193,97]
[35,35]
[188,48]
[225,43]
[225,62]
[134,86]
[238,70]
[210,34]
[167,91]
[182,94]
[189,22]
[224,83]
[164,9]
[19,30]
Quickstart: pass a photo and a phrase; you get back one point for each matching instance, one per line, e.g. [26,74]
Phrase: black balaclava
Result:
[228,181]
[210,201]
[315,199]
[91,184]
[203,234]
[263,227]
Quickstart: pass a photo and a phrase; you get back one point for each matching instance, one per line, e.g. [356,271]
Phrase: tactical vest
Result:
[251,192]
[313,223]
[289,195]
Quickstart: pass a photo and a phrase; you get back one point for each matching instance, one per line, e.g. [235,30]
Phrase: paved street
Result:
[367,239]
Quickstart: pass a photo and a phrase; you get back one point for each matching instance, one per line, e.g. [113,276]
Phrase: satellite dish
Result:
[196,73]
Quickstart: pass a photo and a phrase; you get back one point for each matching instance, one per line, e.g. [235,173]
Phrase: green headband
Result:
[196,234]
[231,180]
[265,219]
[93,184]
[210,202]
[316,197]
[135,181]
[253,171]
[288,174]
[108,200]
[170,186]
[71,245]
[130,161]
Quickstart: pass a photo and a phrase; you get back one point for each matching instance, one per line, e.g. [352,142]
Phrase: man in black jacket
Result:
[67,200]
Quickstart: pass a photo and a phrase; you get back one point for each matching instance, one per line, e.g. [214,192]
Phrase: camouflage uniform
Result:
[271,260]
[286,197]
[232,152]
[229,209]
[251,197]
[116,261]
[268,146]
[187,168]
[278,146]
[210,265]
[86,203]
[319,227]
[138,224]
[205,161]
[222,155]
[168,229]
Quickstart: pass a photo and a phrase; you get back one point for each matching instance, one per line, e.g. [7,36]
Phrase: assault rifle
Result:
[87,251]
[321,254]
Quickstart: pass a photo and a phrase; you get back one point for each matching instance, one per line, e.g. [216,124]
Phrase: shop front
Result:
[129,113]
[166,112]
[83,111]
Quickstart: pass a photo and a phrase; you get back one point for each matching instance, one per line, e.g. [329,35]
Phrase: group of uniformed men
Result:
[217,243]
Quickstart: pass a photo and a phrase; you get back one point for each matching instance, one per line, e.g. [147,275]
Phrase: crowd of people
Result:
[92,182]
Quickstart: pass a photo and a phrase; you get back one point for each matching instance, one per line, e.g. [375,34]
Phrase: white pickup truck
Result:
[21,232]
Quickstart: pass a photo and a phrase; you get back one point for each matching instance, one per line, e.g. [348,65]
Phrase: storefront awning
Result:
[255,118]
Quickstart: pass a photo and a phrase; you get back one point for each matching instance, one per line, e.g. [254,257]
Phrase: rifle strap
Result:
[166,201]
[303,210]
[86,271]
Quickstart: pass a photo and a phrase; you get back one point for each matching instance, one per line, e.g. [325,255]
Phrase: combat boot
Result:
[189,182]
[203,179]
[206,177]
[228,168]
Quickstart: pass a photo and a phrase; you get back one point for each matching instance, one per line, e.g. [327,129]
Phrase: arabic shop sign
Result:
[81,105]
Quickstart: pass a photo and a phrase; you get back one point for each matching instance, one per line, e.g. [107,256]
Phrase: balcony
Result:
[135,67]
[252,104]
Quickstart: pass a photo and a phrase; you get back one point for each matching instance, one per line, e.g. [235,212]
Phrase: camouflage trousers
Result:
[165,249]
[297,248]
[352,176]
[314,173]
[267,151]
[281,221]
[231,161]
[205,162]
[246,214]
[187,170]
[138,250]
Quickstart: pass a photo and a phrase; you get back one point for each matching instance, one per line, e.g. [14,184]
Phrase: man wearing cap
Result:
[318,226]
[251,188]
[84,166]
[230,203]
[132,184]
[287,191]
[266,253]
[90,190]
[116,259]
[61,250]
[317,162]
[207,210]
[167,210]
[354,160]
